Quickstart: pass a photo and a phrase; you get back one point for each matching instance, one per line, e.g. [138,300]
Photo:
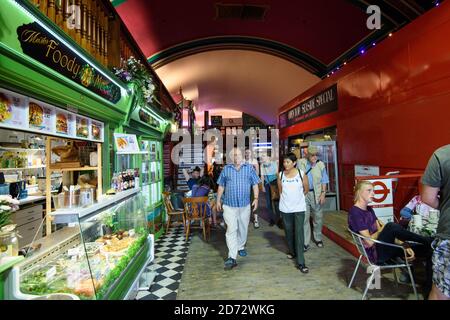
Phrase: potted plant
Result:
[7,206]
[108,222]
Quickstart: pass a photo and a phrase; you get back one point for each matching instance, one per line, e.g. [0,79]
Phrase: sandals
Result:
[303,268]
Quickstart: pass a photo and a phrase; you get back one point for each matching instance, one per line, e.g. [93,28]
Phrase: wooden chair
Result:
[195,210]
[171,211]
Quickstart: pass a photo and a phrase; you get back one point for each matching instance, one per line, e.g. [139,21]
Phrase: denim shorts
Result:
[441,265]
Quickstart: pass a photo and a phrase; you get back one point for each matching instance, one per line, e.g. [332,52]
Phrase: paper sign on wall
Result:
[13,111]
[126,143]
[18,111]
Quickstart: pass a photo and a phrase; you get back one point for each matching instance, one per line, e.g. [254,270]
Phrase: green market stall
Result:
[150,128]
[42,63]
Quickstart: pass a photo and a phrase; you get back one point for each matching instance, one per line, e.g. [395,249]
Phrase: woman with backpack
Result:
[293,188]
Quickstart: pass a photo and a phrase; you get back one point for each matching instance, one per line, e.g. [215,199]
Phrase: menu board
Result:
[40,116]
[62,122]
[13,110]
[82,127]
[20,112]
[126,143]
[96,130]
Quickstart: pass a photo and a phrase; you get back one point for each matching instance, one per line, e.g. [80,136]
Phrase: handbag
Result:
[274,192]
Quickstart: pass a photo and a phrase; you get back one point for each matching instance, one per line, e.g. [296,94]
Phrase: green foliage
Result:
[121,266]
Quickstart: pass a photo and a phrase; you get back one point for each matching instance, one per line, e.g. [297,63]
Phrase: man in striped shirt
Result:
[235,183]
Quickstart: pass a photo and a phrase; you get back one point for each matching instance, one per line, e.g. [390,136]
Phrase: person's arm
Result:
[325,180]
[280,187]
[262,173]
[431,182]
[219,198]
[305,184]
[186,174]
[429,196]
[256,195]
[366,233]
[256,164]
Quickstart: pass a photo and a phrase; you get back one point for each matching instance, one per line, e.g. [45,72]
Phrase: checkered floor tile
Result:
[170,254]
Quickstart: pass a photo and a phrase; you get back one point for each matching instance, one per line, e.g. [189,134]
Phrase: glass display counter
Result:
[98,252]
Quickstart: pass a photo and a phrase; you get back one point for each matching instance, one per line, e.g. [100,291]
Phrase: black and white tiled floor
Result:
[170,255]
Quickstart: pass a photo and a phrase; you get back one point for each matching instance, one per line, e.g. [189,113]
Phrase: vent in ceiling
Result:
[240,11]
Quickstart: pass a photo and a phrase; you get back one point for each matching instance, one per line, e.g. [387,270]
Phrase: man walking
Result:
[436,193]
[234,183]
[318,179]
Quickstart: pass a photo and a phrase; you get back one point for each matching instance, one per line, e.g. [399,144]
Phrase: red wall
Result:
[394,101]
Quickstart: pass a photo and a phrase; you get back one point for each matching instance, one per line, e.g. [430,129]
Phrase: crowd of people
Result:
[295,195]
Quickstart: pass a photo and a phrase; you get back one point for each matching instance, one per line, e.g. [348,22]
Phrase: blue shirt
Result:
[324,179]
[192,182]
[237,184]
[269,171]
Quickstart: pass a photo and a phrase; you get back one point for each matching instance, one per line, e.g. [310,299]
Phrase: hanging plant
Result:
[135,72]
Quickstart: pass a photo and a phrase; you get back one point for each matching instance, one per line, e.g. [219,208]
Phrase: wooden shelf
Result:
[20,149]
[18,169]
[74,169]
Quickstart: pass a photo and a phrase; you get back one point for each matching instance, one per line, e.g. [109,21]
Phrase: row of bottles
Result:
[125,180]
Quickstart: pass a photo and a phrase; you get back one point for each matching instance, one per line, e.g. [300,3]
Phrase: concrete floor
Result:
[267,274]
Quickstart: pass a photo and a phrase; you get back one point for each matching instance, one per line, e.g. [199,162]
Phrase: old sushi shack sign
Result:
[318,105]
[41,45]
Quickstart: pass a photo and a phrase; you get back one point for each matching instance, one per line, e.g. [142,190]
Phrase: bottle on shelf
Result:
[136,178]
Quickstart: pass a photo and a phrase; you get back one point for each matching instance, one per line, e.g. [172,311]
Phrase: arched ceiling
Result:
[312,37]
[252,82]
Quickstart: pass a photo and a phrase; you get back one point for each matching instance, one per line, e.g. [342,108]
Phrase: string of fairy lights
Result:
[363,50]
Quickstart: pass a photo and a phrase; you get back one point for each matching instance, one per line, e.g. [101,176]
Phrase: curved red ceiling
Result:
[324,29]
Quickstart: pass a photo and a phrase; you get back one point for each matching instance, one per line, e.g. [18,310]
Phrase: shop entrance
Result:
[326,141]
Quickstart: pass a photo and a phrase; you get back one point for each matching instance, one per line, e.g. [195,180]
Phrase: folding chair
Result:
[359,242]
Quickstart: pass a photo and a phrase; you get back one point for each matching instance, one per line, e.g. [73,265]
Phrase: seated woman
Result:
[202,189]
[362,220]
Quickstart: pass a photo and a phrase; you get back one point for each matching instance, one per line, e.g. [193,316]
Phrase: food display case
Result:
[98,252]
[152,182]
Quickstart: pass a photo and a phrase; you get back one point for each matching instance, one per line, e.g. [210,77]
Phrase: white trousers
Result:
[237,220]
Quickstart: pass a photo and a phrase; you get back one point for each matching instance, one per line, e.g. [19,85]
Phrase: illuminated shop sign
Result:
[318,105]
[40,44]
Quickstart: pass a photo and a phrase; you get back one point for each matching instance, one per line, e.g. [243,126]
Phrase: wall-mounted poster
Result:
[126,143]
[82,127]
[96,130]
[40,116]
[13,110]
[62,122]
[18,111]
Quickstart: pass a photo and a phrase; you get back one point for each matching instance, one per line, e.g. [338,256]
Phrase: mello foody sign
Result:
[318,105]
[41,45]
